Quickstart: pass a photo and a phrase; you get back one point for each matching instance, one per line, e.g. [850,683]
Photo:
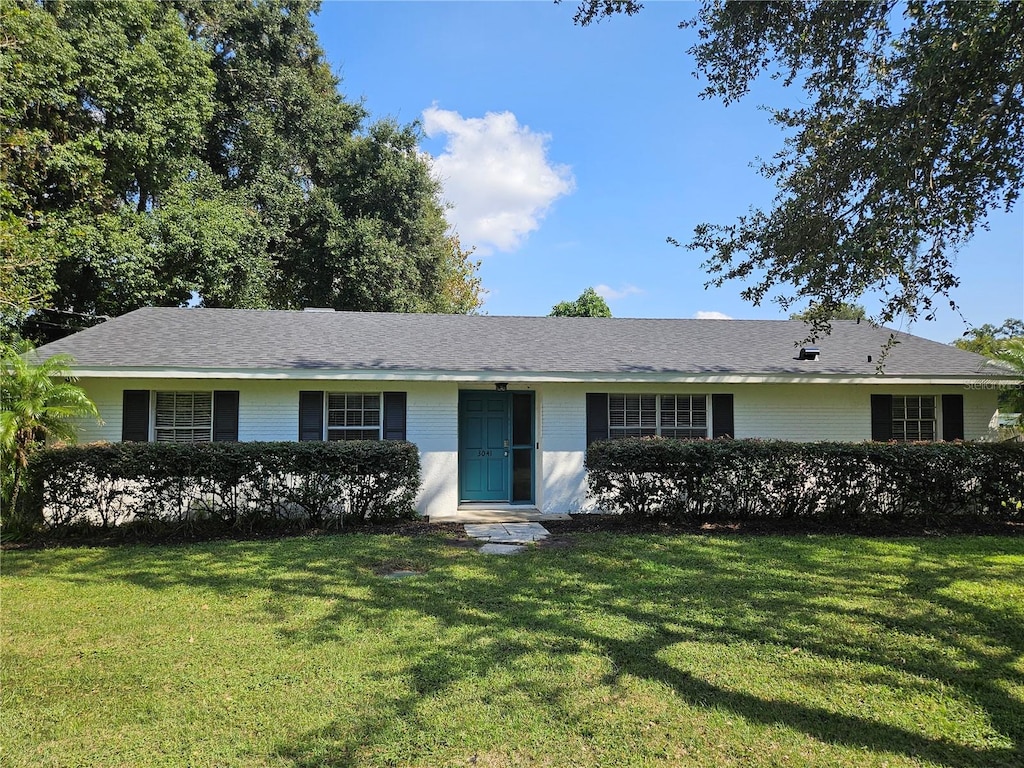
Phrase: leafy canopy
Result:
[842,311]
[1005,344]
[1011,353]
[152,152]
[589,304]
[988,339]
[911,131]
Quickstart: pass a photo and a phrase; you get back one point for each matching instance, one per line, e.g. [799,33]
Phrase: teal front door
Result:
[484,451]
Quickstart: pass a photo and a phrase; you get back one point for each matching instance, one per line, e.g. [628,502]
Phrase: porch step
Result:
[496,515]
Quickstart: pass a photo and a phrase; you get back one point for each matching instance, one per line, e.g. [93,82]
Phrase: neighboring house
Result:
[502,408]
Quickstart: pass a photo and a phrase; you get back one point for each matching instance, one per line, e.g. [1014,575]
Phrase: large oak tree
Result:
[910,132]
[154,152]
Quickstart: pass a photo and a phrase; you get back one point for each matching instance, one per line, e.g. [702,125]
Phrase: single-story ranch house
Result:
[502,408]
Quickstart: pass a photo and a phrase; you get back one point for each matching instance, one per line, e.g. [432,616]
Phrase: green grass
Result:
[621,650]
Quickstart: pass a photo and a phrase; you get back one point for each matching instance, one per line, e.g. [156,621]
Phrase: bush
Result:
[239,485]
[931,484]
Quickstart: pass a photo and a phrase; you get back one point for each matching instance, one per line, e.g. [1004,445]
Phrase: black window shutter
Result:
[135,416]
[952,417]
[225,416]
[597,417]
[881,418]
[722,422]
[394,415]
[311,415]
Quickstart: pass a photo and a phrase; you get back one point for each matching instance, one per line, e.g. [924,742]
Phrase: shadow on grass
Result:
[629,600]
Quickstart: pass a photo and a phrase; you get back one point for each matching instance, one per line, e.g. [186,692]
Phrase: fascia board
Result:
[291,374]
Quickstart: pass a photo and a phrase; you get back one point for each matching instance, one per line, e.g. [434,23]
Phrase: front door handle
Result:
[506,454]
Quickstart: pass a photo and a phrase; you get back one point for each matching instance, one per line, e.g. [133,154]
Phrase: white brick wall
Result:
[841,411]
[432,418]
[268,410]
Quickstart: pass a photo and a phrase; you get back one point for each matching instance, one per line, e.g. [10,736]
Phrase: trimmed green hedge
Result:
[242,485]
[933,483]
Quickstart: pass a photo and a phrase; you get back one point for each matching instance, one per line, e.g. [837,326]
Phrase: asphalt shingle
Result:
[275,340]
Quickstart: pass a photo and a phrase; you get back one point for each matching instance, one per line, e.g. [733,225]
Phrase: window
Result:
[684,416]
[913,417]
[184,417]
[632,415]
[677,416]
[353,416]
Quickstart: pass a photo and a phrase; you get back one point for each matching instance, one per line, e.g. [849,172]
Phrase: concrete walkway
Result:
[506,538]
[496,515]
[507,533]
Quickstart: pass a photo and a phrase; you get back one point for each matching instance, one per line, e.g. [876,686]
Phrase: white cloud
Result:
[607,292]
[702,315]
[496,175]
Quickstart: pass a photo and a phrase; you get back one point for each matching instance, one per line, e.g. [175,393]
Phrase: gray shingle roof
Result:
[205,339]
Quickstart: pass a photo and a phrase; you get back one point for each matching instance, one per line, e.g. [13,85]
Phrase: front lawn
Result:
[616,650]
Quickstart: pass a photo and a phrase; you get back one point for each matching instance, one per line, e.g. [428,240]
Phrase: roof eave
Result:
[979,380]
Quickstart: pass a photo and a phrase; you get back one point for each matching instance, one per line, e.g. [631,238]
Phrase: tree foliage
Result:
[104,105]
[988,339]
[1004,343]
[151,152]
[26,266]
[911,131]
[843,311]
[589,304]
[1011,354]
[590,11]
[461,288]
[37,404]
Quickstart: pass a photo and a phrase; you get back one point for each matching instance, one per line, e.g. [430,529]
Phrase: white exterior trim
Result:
[981,381]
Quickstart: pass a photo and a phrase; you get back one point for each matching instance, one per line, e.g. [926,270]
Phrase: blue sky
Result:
[569,154]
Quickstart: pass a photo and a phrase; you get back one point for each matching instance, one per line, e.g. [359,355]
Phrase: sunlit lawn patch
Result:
[619,650]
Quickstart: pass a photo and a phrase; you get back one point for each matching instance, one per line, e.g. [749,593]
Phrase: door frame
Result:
[508,394]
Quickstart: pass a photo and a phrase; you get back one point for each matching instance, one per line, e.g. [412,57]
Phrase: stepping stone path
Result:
[400,574]
[506,538]
[502,549]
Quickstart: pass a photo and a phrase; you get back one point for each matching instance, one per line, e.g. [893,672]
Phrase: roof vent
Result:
[809,353]
[318,309]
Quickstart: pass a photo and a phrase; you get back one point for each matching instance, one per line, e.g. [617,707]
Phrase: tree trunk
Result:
[12,513]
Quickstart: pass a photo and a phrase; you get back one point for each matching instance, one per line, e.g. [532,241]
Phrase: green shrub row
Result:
[243,485]
[931,484]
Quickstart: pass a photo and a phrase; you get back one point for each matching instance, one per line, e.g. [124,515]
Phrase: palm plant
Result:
[37,405]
